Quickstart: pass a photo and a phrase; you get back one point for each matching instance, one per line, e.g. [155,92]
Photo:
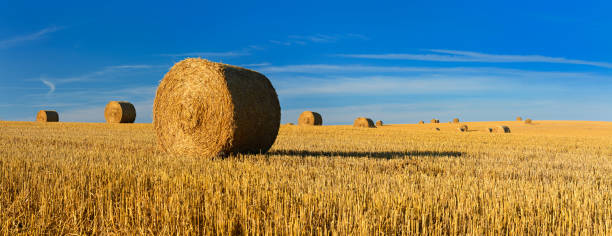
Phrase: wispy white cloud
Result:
[256,64]
[468,56]
[50,85]
[316,38]
[210,54]
[30,37]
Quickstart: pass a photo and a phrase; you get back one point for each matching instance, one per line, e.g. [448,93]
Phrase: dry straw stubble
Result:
[310,118]
[120,112]
[362,122]
[47,116]
[206,109]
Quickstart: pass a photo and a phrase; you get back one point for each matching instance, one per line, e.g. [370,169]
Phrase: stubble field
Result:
[74,178]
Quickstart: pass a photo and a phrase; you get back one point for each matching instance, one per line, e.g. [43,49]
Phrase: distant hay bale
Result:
[208,109]
[501,129]
[290,123]
[463,128]
[310,118]
[490,130]
[47,116]
[528,121]
[421,122]
[119,112]
[379,123]
[362,122]
[456,120]
[436,129]
[518,118]
[435,121]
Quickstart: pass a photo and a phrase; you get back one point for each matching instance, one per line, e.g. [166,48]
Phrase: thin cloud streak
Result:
[50,85]
[208,54]
[30,37]
[443,55]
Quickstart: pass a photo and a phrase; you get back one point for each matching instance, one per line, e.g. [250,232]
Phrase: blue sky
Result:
[396,61]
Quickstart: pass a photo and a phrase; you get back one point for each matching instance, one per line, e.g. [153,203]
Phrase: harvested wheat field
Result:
[552,177]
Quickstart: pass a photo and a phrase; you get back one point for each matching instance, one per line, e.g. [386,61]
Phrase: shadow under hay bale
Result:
[310,118]
[119,112]
[209,109]
[47,116]
[362,122]
[384,155]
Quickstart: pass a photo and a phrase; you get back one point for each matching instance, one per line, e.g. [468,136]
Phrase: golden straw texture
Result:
[310,118]
[362,122]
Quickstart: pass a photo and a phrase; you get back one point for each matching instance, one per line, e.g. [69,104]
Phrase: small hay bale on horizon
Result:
[379,123]
[119,112]
[456,120]
[209,109]
[434,121]
[310,118]
[47,116]
[518,118]
[290,123]
[501,129]
[528,121]
[421,122]
[363,122]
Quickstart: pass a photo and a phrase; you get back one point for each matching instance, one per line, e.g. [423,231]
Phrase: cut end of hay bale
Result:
[47,116]
[379,123]
[528,121]
[119,112]
[362,122]
[435,121]
[518,118]
[456,120]
[310,118]
[209,109]
[421,122]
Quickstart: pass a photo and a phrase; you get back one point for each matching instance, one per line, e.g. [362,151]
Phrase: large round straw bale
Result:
[518,118]
[456,120]
[379,123]
[47,116]
[435,121]
[119,112]
[421,122]
[310,118]
[501,129]
[208,109]
[528,121]
[363,122]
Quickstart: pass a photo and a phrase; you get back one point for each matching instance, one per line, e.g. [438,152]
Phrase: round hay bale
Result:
[379,123]
[436,129]
[518,118]
[310,118]
[421,122]
[490,130]
[435,121]
[463,128]
[362,122]
[528,121]
[119,112]
[456,120]
[501,129]
[290,123]
[47,116]
[208,109]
